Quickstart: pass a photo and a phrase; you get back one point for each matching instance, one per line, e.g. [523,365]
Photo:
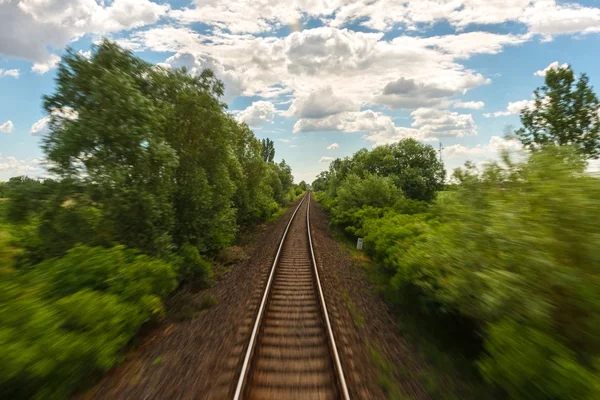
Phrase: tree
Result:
[107,132]
[268,150]
[565,112]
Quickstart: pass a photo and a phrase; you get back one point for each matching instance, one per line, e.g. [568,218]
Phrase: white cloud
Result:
[428,124]
[284,140]
[7,127]
[493,147]
[355,65]
[11,166]
[42,126]
[333,146]
[548,18]
[233,80]
[408,94]
[31,27]
[86,54]
[555,66]
[433,123]
[43,67]
[466,44]
[473,105]
[326,159]
[257,114]
[14,73]
[513,108]
[320,103]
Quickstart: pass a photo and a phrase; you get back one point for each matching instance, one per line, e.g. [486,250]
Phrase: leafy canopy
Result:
[565,112]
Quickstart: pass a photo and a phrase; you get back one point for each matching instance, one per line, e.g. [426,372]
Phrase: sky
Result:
[322,78]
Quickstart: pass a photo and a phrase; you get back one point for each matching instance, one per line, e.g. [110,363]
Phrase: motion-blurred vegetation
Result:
[151,177]
[509,252]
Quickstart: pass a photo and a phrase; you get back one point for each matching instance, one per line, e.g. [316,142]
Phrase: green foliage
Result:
[411,166]
[565,113]
[72,316]
[150,167]
[25,197]
[193,268]
[511,253]
[267,150]
[147,158]
[358,198]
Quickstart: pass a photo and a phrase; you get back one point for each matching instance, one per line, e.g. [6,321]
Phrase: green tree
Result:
[268,150]
[107,133]
[565,112]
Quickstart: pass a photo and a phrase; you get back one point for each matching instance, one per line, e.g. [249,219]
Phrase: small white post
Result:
[359,244]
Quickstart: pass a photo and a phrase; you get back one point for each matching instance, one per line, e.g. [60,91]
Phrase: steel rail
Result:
[336,357]
[261,311]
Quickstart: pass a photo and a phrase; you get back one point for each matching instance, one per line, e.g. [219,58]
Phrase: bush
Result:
[72,316]
[513,251]
[193,268]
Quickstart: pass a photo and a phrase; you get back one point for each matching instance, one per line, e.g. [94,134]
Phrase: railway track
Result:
[292,353]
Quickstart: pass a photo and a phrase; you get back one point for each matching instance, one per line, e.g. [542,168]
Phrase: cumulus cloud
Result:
[540,16]
[513,108]
[11,166]
[13,73]
[428,124]
[548,18]
[443,123]
[326,159]
[333,146]
[43,67]
[355,65]
[320,103]
[195,63]
[31,27]
[495,145]
[554,66]
[473,105]
[7,127]
[408,94]
[257,114]
[42,126]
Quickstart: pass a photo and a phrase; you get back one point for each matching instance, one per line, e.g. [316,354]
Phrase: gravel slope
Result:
[364,327]
[199,359]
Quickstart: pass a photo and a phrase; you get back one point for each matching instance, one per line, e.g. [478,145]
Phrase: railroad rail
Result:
[292,353]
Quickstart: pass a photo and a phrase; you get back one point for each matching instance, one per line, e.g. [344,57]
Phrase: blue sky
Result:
[322,78]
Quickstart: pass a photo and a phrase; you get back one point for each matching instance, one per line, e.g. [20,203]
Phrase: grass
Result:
[385,375]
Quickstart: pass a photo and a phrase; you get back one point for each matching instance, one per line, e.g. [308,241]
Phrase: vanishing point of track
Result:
[292,352]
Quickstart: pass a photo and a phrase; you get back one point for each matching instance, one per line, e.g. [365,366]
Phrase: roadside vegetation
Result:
[499,266]
[151,179]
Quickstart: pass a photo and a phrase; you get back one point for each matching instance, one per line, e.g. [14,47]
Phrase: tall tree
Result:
[565,112]
[268,150]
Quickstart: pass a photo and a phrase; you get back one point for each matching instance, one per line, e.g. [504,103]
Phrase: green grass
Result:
[385,375]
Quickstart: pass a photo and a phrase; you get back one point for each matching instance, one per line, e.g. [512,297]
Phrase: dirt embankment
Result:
[377,360]
[200,358]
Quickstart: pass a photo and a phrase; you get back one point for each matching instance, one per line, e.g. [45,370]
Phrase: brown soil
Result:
[364,327]
[200,359]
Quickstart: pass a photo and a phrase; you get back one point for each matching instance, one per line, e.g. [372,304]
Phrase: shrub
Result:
[73,315]
[193,268]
